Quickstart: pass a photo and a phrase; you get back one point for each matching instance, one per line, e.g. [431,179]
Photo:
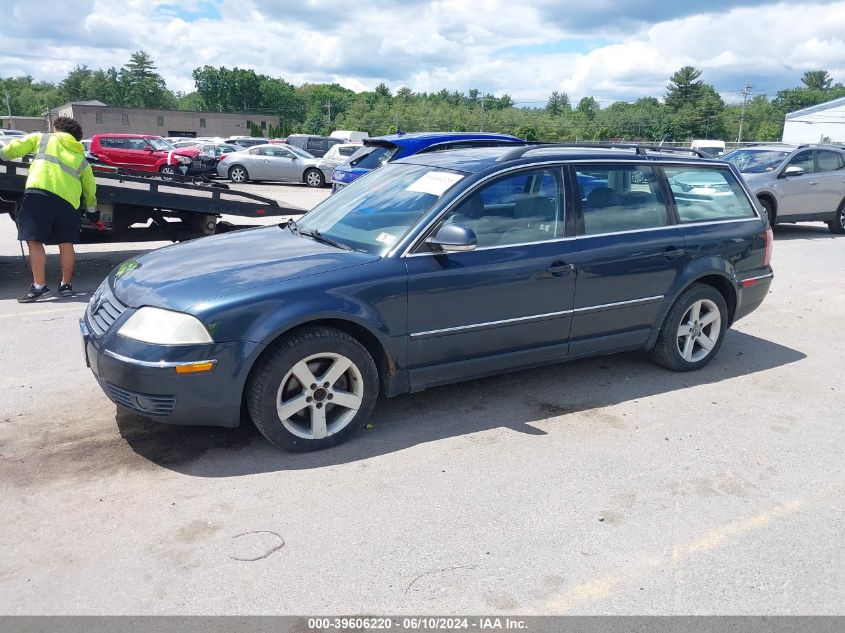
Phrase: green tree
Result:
[142,87]
[528,132]
[683,88]
[817,80]
[558,104]
[77,86]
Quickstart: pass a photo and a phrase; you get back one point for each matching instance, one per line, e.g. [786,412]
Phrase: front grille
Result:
[147,404]
[103,310]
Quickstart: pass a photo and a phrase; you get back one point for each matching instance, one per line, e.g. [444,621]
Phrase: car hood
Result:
[181,276]
[344,173]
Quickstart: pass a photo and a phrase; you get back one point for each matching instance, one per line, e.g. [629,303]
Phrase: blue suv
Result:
[380,150]
[434,269]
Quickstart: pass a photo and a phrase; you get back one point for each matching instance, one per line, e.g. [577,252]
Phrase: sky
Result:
[613,51]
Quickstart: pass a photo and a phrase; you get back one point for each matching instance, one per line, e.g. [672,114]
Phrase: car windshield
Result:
[372,156]
[159,144]
[710,151]
[299,152]
[756,161]
[377,211]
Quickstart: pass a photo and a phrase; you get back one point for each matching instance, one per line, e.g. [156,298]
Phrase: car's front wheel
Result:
[238,174]
[770,212]
[693,330]
[167,172]
[315,178]
[837,224]
[313,390]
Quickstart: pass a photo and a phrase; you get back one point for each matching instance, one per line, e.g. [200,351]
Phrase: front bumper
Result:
[144,378]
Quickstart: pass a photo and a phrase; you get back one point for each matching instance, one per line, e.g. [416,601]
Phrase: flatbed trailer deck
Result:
[139,206]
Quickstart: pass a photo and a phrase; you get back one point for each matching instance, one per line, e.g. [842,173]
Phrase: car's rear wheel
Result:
[314,178]
[837,224]
[238,174]
[769,209]
[693,330]
[313,390]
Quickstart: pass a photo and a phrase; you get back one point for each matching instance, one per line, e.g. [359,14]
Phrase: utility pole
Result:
[9,110]
[482,114]
[742,112]
[328,105]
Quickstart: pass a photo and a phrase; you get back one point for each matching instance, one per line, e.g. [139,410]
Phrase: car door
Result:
[629,253]
[508,300]
[798,195]
[830,172]
[281,164]
[114,150]
[254,163]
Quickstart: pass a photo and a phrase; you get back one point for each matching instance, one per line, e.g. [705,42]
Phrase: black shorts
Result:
[45,217]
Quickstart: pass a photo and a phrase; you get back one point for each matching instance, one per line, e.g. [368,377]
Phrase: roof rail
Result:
[643,150]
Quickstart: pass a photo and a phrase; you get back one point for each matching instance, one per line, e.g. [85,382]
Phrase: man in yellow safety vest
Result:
[59,177]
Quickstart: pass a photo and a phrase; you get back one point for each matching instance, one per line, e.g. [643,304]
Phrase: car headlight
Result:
[164,327]
[184,160]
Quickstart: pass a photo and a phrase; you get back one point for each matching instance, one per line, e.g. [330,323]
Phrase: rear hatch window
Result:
[372,156]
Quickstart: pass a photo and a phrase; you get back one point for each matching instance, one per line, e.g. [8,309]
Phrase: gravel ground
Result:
[606,485]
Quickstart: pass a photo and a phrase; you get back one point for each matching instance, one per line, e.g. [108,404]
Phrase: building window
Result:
[248,124]
[160,121]
[98,117]
[202,122]
[264,125]
[124,119]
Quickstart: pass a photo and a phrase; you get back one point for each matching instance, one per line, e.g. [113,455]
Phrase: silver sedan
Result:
[275,162]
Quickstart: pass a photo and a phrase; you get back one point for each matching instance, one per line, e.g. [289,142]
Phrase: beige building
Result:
[24,123]
[98,118]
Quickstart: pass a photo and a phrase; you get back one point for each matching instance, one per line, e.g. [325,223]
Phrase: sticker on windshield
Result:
[386,238]
[434,182]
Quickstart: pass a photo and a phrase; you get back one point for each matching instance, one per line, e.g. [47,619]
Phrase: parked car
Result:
[380,150]
[341,153]
[142,152]
[436,268]
[285,163]
[246,141]
[796,183]
[9,135]
[710,147]
[349,136]
[313,143]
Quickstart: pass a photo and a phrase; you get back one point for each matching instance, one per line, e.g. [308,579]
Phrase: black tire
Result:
[837,225]
[667,351]
[769,210]
[314,178]
[273,375]
[238,174]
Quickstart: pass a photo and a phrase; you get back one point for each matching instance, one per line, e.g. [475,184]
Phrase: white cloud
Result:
[442,44]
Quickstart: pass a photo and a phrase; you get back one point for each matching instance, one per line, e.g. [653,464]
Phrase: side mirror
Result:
[793,170]
[453,238]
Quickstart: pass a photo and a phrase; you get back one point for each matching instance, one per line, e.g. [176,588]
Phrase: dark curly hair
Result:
[71,126]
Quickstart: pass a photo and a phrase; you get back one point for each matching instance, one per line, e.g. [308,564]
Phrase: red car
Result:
[143,152]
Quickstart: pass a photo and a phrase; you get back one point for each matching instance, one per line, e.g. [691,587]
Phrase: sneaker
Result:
[35,295]
[66,290]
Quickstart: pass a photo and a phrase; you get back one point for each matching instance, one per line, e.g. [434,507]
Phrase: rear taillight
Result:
[767,256]
[222,157]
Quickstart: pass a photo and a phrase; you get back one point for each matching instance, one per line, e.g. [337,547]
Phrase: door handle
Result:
[560,268]
[813,182]
[673,252]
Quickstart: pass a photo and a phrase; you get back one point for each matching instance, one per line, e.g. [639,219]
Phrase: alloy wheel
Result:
[313,179]
[699,330]
[320,395]
[237,175]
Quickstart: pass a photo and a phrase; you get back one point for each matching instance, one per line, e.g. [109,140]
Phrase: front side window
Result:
[377,211]
[804,160]
[520,208]
[159,144]
[707,195]
[137,143]
[620,198]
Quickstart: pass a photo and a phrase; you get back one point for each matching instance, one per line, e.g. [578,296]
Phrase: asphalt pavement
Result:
[606,485]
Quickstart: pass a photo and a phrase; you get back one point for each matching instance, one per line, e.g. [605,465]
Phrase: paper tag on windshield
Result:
[434,182]
[386,238]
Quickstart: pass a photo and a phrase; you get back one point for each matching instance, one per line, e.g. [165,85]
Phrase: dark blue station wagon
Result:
[433,269]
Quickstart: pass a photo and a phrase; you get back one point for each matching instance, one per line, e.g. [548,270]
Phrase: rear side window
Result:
[114,142]
[706,195]
[317,143]
[829,161]
[618,198]
[372,156]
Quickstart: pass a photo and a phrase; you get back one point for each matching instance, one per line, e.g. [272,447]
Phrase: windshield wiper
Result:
[291,224]
[315,234]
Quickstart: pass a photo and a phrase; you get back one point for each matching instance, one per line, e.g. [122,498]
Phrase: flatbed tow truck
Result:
[138,206]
